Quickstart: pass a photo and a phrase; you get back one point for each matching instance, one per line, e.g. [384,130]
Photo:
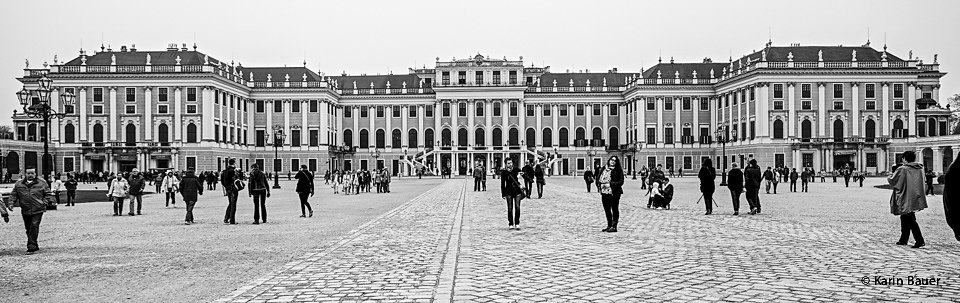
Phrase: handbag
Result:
[238,184]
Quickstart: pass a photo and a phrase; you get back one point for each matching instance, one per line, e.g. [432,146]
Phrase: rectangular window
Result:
[871,105]
[461,109]
[668,135]
[807,160]
[563,110]
[191,108]
[191,94]
[651,135]
[478,109]
[514,109]
[898,91]
[597,110]
[277,106]
[687,162]
[778,105]
[380,112]
[294,164]
[579,109]
[479,78]
[396,111]
[163,109]
[462,77]
[668,104]
[513,77]
[753,130]
[546,110]
[871,91]
[753,94]
[496,77]
[530,111]
[686,104]
[871,159]
[838,105]
[805,91]
[651,105]
[191,163]
[704,104]
[412,111]
[314,137]
[97,94]
[260,106]
[131,109]
[614,109]
[162,94]
[428,111]
[445,108]
[497,108]
[364,111]
[312,164]
[68,109]
[806,105]
[98,109]
[131,94]
[837,90]
[445,78]
[294,106]
[898,104]
[314,106]
[295,137]
[778,91]
[347,112]
[778,160]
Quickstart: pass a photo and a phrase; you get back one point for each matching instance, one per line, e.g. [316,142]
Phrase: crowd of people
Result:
[358,181]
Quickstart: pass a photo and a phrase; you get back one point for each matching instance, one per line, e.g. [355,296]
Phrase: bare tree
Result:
[6,132]
[953,103]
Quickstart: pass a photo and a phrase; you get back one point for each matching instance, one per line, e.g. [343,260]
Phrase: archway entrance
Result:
[947,158]
[927,157]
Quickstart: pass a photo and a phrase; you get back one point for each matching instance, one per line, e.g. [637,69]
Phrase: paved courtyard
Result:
[452,244]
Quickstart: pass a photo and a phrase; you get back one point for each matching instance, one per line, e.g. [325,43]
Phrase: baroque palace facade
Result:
[795,106]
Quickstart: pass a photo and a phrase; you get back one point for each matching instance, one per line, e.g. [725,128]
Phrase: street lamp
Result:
[636,147]
[42,109]
[278,139]
[721,131]
[375,153]
[590,154]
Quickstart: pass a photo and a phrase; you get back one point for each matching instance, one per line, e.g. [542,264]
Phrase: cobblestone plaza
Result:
[436,240]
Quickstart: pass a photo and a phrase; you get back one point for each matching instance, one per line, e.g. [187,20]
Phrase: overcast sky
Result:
[383,36]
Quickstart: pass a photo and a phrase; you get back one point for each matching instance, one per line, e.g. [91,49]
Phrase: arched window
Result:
[931,127]
[131,135]
[163,134]
[838,130]
[13,162]
[531,137]
[347,137]
[462,137]
[364,138]
[581,134]
[98,133]
[778,129]
[547,137]
[564,137]
[428,137]
[191,133]
[396,137]
[68,133]
[445,139]
[32,132]
[614,138]
[480,137]
[870,130]
[412,138]
[497,137]
[381,139]
[597,133]
[898,131]
[806,129]
[513,137]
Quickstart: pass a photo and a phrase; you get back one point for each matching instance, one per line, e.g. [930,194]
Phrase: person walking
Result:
[610,186]
[908,198]
[71,186]
[528,175]
[643,178]
[588,178]
[929,176]
[477,175]
[55,188]
[305,189]
[258,187]
[538,175]
[707,175]
[735,185]
[137,184]
[751,177]
[169,187]
[776,180]
[511,192]
[119,189]
[846,175]
[805,178]
[30,194]
[232,185]
[768,179]
[793,180]
[951,197]
[385,179]
[190,188]
[158,183]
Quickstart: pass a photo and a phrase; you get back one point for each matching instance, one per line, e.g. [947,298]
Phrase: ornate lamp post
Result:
[634,149]
[44,110]
[278,139]
[375,153]
[590,154]
[721,131]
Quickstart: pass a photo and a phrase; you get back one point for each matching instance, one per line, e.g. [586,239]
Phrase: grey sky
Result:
[383,36]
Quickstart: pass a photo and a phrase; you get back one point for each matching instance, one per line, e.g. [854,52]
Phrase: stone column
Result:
[622,120]
[937,159]
[113,114]
[538,113]
[488,126]
[148,114]
[677,125]
[322,130]
[388,130]
[206,99]
[372,137]
[268,129]
[912,107]
[251,133]
[287,105]
[855,116]
[82,107]
[885,110]
[792,107]
[571,132]
[821,111]
[55,127]
[763,113]
[437,114]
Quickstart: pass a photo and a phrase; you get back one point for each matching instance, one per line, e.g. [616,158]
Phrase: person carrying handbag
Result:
[512,192]
[119,189]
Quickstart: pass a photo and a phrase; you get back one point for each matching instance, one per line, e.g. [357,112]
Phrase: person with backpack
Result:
[258,187]
[232,185]
[735,185]
[119,189]
[305,189]
[169,187]
[71,186]
[190,188]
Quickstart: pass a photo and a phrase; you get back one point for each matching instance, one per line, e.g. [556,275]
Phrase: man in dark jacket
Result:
[538,176]
[929,175]
[735,185]
[137,184]
[30,194]
[752,184]
[190,189]
[71,186]
[846,175]
[707,176]
[259,188]
[793,180]
[305,189]
[228,180]
[805,177]
[951,197]
[528,175]
[768,178]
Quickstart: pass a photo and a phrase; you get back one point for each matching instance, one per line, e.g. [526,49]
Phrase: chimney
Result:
[614,70]
[123,48]
[133,47]
[184,47]
[172,47]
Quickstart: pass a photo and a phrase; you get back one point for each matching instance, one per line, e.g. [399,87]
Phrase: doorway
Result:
[462,164]
[127,166]
[565,166]
[96,165]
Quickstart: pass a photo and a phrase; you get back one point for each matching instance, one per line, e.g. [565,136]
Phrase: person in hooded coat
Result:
[908,198]
[951,197]
[707,175]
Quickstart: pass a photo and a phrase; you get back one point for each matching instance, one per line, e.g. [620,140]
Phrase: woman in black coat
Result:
[190,188]
[951,197]
[735,184]
[610,185]
[707,175]
[588,178]
[304,189]
[512,192]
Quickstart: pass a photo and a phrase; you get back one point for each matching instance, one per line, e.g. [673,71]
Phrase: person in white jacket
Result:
[169,188]
[119,189]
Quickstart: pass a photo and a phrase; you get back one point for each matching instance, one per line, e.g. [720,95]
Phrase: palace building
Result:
[796,106]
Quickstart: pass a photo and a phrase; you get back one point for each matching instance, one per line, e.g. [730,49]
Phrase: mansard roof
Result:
[379,81]
[140,58]
[669,70]
[279,74]
[580,79]
[830,54]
